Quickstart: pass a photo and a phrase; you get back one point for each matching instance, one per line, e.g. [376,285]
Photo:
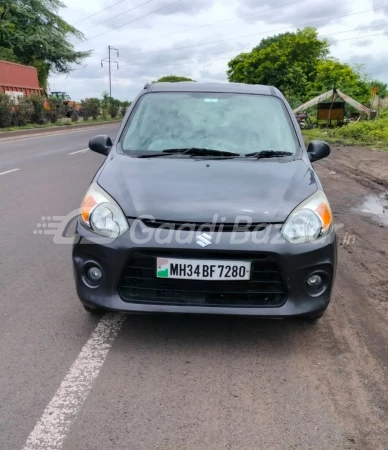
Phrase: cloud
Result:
[294,12]
[374,65]
[151,46]
[211,77]
[144,16]
[377,5]
[363,43]
[184,6]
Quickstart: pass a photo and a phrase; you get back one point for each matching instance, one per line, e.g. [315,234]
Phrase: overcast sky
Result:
[197,38]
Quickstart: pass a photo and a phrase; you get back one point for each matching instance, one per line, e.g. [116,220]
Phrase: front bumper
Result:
[296,262]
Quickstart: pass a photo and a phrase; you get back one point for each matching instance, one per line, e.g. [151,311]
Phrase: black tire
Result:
[74,116]
[94,311]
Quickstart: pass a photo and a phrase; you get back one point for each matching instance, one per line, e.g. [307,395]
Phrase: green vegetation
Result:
[366,133]
[172,79]
[62,123]
[32,33]
[288,61]
[300,65]
[36,111]
[350,80]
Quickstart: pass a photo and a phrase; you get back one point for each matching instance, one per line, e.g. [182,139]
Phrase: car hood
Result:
[195,189]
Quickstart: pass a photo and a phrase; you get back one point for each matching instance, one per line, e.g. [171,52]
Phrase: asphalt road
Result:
[71,381]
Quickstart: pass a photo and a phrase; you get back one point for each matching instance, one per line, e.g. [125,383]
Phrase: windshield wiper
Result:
[197,151]
[152,155]
[191,151]
[268,154]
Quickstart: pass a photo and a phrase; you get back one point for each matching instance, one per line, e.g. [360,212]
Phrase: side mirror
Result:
[101,144]
[318,150]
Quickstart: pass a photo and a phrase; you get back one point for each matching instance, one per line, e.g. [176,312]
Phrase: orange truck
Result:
[17,80]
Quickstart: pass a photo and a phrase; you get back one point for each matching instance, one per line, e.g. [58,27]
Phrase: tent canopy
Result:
[331,93]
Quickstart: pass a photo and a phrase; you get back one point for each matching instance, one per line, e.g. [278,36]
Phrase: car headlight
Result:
[310,220]
[101,214]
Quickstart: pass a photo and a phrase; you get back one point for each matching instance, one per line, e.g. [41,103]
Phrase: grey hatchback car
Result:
[207,203]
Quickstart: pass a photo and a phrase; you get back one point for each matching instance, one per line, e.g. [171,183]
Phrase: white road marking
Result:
[9,171]
[79,151]
[53,427]
[42,135]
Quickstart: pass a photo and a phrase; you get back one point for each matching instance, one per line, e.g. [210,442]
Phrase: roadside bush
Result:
[23,112]
[368,132]
[124,106]
[5,110]
[39,112]
[92,107]
[384,114]
[84,111]
[104,104]
[365,132]
[56,109]
[114,108]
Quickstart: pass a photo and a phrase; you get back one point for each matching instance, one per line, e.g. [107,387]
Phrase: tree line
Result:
[300,65]
[33,33]
[37,110]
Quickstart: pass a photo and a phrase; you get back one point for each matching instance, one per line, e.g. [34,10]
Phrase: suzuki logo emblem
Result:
[203,240]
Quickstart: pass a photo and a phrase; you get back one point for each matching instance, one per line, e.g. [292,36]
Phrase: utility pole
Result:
[109,60]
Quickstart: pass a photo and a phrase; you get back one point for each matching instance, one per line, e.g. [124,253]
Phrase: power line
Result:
[244,49]
[134,20]
[220,21]
[98,12]
[227,57]
[354,29]
[362,37]
[118,15]
[255,34]
[109,60]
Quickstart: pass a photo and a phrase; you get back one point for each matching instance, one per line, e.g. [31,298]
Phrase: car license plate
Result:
[194,269]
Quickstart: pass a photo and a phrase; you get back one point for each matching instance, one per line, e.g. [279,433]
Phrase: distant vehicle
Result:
[61,95]
[207,204]
[304,121]
[71,107]
[17,80]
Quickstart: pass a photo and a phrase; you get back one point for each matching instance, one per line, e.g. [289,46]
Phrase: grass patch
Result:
[372,133]
[62,123]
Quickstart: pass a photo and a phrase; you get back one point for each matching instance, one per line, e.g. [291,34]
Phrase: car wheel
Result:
[94,311]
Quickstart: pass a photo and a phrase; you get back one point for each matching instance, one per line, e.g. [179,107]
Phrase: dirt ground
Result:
[354,334]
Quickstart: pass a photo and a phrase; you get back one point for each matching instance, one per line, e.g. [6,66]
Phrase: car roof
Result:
[193,86]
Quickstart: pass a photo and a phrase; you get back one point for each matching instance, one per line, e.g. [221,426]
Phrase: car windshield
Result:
[238,123]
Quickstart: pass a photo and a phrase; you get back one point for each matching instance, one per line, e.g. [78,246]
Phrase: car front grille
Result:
[205,227]
[139,283]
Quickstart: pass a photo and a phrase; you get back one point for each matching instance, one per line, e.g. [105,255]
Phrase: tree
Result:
[105,103]
[32,33]
[5,110]
[124,106]
[288,61]
[350,80]
[91,108]
[173,79]
[114,107]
